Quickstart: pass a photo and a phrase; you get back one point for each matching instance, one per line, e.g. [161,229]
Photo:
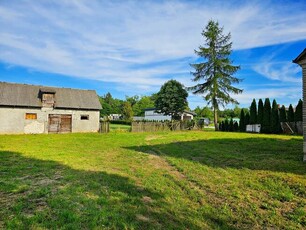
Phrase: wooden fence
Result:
[156,126]
[104,127]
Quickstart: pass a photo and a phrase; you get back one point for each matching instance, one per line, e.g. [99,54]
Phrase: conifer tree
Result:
[236,126]
[260,112]
[290,114]
[275,125]
[266,122]
[231,125]
[217,71]
[242,121]
[247,119]
[226,125]
[282,114]
[298,115]
[253,113]
[222,126]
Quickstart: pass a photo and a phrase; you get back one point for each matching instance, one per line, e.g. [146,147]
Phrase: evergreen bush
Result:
[247,119]
[231,125]
[242,121]
[275,125]
[253,113]
[236,126]
[298,115]
[266,122]
[282,114]
[260,112]
[226,125]
[290,114]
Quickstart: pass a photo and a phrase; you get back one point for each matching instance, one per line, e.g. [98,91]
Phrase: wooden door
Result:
[59,123]
[65,125]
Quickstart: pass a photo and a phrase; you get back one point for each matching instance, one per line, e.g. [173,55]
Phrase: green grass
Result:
[179,180]
[119,128]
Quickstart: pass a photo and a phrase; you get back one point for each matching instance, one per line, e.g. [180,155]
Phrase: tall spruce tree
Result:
[298,115]
[217,69]
[242,121]
[290,114]
[266,122]
[253,113]
[260,112]
[282,114]
[275,125]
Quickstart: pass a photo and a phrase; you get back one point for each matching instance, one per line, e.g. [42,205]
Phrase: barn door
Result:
[59,123]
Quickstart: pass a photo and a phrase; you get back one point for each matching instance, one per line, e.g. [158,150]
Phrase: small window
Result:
[84,117]
[31,116]
[48,100]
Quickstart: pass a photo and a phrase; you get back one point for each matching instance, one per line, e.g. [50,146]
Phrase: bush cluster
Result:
[270,117]
[229,126]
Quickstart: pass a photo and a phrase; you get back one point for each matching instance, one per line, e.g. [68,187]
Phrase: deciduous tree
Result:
[171,99]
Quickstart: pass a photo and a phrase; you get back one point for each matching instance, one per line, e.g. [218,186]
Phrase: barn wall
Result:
[303,65]
[12,120]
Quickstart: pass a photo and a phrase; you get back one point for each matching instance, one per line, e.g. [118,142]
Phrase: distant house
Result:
[153,115]
[115,117]
[301,60]
[40,109]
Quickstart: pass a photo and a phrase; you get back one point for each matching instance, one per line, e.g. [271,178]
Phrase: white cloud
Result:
[285,72]
[283,95]
[121,41]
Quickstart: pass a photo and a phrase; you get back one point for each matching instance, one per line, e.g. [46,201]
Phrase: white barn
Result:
[39,109]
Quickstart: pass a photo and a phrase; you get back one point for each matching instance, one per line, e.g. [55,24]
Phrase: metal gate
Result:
[59,123]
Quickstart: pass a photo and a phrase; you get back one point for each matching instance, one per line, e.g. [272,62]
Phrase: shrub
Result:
[242,121]
[226,125]
[266,122]
[290,114]
[282,114]
[231,125]
[275,125]
[260,112]
[253,113]
[236,126]
[298,115]
[247,119]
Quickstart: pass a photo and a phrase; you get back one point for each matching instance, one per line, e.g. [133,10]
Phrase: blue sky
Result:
[133,47]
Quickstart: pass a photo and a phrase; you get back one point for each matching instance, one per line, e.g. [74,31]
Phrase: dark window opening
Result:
[84,117]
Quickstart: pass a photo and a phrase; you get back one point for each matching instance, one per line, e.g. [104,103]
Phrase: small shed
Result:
[40,109]
[301,61]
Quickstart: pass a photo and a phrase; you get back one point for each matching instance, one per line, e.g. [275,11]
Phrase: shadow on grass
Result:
[253,153]
[36,193]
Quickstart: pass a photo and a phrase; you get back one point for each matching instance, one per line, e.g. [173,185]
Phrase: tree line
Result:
[269,117]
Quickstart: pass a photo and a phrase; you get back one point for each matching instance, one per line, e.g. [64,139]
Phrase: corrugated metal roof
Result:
[23,95]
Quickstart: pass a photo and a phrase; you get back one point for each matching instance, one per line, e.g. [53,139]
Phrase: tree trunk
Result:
[216,119]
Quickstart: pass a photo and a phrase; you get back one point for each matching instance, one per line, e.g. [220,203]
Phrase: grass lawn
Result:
[119,127]
[179,180]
